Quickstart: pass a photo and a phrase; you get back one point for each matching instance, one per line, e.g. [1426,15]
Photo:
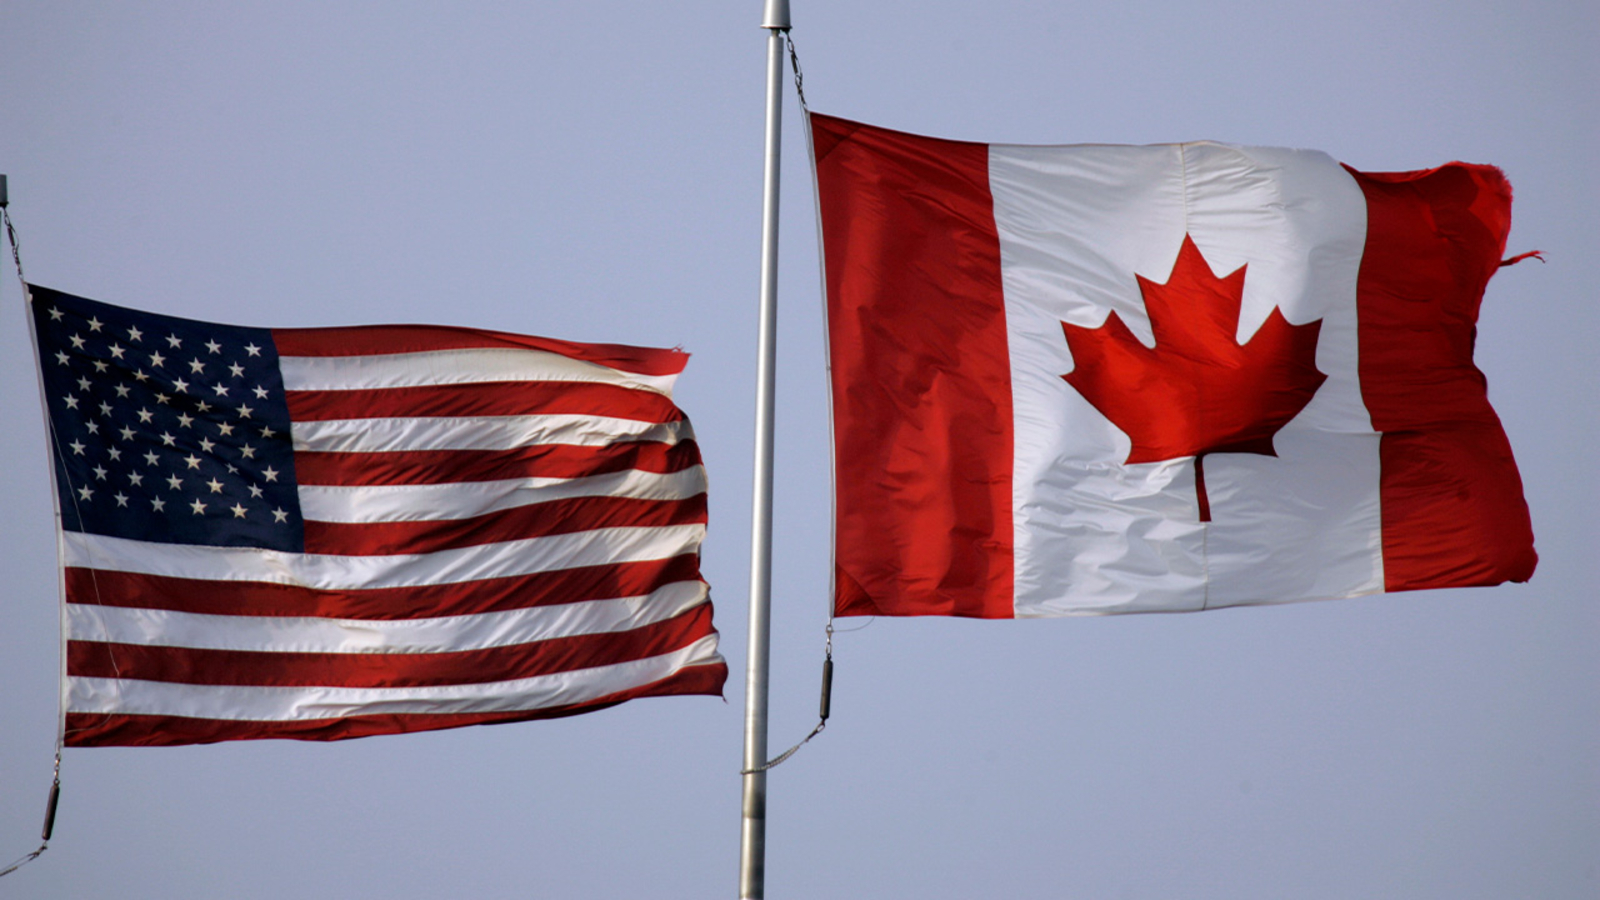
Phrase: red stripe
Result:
[921,374]
[1453,510]
[364,340]
[187,665]
[453,466]
[504,398]
[97,730]
[520,523]
[252,598]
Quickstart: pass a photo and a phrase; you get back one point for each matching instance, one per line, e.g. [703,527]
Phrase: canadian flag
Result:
[1099,379]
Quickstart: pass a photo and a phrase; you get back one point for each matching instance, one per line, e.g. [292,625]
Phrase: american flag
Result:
[337,532]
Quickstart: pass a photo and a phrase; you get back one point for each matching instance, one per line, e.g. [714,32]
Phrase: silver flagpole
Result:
[753,831]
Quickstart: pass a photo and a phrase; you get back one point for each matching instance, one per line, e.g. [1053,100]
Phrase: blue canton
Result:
[166,429]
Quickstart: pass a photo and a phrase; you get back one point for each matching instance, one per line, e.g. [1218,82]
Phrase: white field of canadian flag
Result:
[1100,379]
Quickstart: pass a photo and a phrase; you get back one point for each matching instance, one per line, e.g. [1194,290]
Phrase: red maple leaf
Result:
[1198,390]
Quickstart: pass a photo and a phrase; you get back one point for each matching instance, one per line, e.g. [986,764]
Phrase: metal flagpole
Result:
[753,831]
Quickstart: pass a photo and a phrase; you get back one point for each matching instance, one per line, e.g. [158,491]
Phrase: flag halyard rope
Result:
[799,78]
[16,251]
[824,707]
[827,662]
[55,778]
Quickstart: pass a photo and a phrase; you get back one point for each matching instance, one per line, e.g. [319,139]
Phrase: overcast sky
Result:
[591,171]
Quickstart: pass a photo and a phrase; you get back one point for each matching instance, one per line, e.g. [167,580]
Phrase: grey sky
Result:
[592,171]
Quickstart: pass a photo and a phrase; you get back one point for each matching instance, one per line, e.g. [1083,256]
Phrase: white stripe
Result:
[326,572]
[445,634]
[478,433]
[462,500]
[270,704]
[348,373]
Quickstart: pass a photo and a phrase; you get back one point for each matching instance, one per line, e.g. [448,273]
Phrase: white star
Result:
[94,324]
[279,515]
[158,504]
[202,406]
[150,458]
[135,479]
[77,342]
[192,461]
[270,474]
[134,334]
[222,391]
[61,357]
[185,420]
[157,359]
[77,447]
[247,451]
[162,398]
[174,341]
[116,455]
[245,411]
[99,473]
[233,469]
[260,392]
[55,314]
[198,507]
[167,439]
[85,492]
[266,432]
[122,390]
[116,351]
[101,366]
[181,386]
[122,499]
[238,511]
[215,485]
[174,482]
[70,401]
[255,492]
[237,370]
[105,408]
[224,429]
[207,444]
[127,433]
[213,346]
[145,415]
[139,374]
[83,384]
[252,349]
[196,366]
[94,427]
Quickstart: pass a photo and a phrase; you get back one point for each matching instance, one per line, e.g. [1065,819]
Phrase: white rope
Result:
[55,781]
